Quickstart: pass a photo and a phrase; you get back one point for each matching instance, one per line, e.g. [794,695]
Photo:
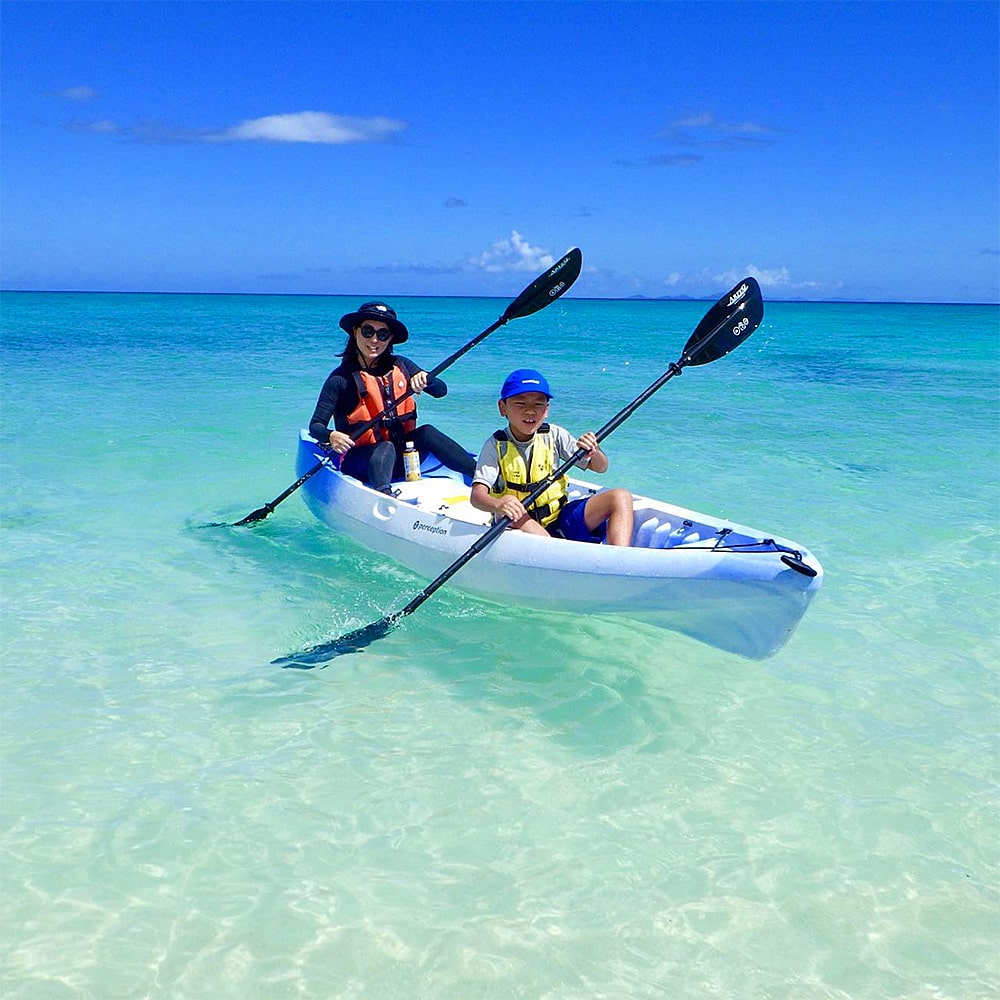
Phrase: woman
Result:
[370,383]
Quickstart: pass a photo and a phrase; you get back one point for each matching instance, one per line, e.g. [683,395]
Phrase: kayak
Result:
[732,587]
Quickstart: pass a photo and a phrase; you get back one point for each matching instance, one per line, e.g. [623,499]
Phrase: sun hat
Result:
[525,380]
[376,311]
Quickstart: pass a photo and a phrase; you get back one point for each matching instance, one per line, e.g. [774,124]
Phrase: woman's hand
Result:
[340,442]
[419,382]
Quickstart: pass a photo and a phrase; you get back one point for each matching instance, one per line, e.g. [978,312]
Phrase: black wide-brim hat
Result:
[377,311]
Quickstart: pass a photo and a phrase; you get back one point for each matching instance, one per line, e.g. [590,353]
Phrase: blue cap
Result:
[524,380]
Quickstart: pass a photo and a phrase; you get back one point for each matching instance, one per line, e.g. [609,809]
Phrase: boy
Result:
[518,458]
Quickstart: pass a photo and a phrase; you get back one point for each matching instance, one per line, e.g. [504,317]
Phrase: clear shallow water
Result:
[484,805]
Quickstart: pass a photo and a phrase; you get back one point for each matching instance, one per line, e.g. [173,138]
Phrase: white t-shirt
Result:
[488,463]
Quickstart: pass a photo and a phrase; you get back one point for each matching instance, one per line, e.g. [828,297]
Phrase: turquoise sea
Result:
[489,803]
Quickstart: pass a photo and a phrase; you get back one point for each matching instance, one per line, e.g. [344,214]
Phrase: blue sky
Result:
[834,150]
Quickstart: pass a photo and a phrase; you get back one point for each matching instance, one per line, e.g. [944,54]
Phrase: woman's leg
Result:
[381,464]
[355,461]
[371,463]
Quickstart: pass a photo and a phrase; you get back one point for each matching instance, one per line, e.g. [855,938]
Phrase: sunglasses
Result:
[369,331]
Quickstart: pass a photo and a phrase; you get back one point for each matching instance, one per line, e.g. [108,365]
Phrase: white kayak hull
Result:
[721,583]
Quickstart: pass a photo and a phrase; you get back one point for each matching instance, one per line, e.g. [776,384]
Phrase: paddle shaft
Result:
[543,290]
[725,322]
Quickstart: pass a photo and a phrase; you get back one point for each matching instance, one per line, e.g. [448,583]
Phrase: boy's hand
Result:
[588,442]
[506,506]
[511,508]
[595,459]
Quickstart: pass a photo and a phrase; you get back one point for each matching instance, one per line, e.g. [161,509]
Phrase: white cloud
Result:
[775,278]
[104,127]
[704,131]
[666,160]
[316,127]
[707,121]
[512,253]
[311,127]
[694,121]
[82,93]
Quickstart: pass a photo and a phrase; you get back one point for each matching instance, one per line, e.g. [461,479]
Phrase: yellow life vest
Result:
[516,478]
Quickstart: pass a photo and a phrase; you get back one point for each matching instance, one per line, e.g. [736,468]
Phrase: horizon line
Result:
[584,298]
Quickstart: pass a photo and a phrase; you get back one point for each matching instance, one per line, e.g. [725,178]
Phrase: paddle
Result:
[722,329]
[544,289]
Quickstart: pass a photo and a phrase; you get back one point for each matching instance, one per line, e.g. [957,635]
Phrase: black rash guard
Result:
[339,395]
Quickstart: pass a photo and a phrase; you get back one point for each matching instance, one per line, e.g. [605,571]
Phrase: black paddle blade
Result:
[353,642]
[726,325]
[257,515]
[548,287]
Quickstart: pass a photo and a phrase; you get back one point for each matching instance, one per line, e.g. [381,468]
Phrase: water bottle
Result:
[411,462]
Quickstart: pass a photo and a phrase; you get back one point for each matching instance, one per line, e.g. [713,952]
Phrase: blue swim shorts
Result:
[571,524]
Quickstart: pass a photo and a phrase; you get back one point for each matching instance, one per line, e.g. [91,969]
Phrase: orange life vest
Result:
[380,397]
